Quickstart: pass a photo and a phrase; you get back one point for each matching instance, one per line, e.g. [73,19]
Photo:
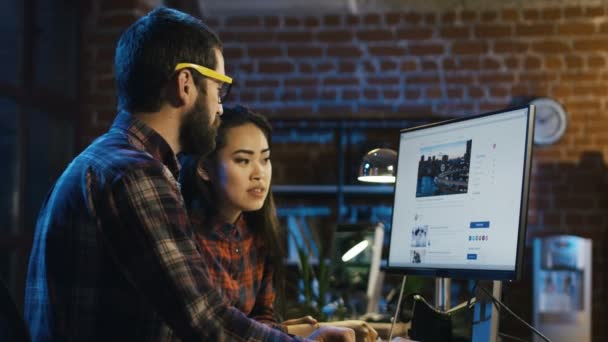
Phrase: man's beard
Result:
[196,134]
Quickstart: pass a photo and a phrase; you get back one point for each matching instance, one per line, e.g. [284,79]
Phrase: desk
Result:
[384,329]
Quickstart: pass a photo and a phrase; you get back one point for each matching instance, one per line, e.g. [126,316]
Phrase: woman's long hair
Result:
[201,194]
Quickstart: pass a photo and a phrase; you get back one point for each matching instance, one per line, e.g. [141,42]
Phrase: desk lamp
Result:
[378,166]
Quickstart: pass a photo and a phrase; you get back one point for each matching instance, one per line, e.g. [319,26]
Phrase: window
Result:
[38,114]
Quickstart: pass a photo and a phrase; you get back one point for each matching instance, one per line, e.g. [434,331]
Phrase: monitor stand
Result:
[442,304]
[442,294]
[497,293]
[443,300]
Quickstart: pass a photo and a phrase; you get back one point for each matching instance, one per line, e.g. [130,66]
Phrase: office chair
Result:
[12,325]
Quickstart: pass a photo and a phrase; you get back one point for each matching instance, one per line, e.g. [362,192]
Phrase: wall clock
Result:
[551,121]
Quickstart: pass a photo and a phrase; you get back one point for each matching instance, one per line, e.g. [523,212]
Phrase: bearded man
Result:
[113,257]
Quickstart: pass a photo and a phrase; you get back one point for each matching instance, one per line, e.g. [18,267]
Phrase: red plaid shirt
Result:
[238,266]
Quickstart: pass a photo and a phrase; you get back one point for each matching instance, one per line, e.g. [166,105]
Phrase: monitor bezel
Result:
[477,274]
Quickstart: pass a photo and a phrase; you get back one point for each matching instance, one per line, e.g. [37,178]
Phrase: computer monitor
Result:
[461,197]
[353,251]
[357,253]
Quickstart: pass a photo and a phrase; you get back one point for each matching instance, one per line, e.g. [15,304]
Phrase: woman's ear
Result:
[201,172]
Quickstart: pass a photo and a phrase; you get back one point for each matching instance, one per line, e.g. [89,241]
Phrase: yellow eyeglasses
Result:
[225,80]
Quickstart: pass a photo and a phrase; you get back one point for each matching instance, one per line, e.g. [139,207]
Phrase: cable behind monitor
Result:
[500,305]
[390,336]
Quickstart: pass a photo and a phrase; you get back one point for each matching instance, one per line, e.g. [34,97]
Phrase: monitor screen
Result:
[461,196]
[352,255]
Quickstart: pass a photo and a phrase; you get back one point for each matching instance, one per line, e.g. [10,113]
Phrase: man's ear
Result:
[181,88]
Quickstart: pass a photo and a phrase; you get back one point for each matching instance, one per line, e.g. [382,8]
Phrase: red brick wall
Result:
[412,64]
[103,22]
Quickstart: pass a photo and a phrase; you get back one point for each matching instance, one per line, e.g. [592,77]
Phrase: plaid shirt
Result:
[114,257]
[239,267]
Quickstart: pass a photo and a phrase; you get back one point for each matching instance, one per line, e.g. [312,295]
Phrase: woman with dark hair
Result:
[229,200]
[232,211]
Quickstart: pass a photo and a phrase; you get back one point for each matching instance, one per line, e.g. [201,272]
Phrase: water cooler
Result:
[562,288]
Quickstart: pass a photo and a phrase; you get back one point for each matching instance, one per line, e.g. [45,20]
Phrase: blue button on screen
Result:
[479,224]
[472,256]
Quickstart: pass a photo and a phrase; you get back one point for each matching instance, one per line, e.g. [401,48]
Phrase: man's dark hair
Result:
[149,50]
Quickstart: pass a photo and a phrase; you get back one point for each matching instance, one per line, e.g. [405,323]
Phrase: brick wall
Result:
[103,22]
[404,64]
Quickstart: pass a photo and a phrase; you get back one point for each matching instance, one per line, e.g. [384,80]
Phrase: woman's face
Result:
[243,172]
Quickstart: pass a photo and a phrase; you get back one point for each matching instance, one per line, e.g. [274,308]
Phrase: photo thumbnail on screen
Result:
[444,169]
[419,236]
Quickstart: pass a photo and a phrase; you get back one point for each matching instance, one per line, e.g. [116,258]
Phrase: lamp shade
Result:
[378,166]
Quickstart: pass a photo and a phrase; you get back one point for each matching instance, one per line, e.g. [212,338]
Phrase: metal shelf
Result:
[332,189]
